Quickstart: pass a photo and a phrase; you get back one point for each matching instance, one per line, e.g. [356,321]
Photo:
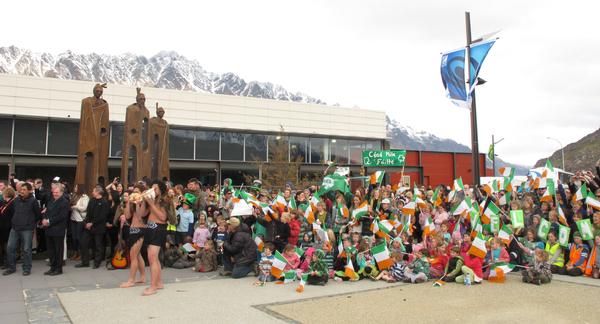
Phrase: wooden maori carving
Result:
[134,164]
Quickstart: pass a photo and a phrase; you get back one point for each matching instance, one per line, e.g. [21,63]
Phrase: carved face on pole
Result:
[140,99]
[160,112]
[99,90]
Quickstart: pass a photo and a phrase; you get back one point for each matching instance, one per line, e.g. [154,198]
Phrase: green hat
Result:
[319,254]
[576,234]
[189,199]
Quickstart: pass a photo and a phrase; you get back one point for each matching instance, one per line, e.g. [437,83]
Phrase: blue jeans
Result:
[26,238]
[237,270]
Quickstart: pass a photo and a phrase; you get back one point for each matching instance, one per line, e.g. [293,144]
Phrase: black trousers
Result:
[56,249]
[99,248]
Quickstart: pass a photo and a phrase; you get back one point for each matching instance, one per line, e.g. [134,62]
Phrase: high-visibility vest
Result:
[560,260]
[575,254]
[590,262]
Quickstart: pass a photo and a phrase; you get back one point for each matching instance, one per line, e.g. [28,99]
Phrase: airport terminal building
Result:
[211,137]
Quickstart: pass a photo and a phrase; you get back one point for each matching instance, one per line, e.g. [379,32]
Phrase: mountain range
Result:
[581,155]
[170,70]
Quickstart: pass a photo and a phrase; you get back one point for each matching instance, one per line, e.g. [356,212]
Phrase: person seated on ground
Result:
[397,246]
[539,270]
[438,262]
[307,241]
[496,254]
[578,255]
[293,261]
[528,244]
[396,272]
[239,250]
[471,270]
[317,270]
[219,236]
[592,267]
[418,270]
[265,264]
[555,253]
[454,265]
[206,258]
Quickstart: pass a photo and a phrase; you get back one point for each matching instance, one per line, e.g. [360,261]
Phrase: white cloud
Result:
[543,72]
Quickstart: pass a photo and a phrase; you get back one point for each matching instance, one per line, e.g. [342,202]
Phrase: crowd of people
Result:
[456,233]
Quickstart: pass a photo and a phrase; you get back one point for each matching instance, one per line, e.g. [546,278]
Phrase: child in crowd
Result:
[306,242]
[206,258]
[444,232]
[539,271]
[454,266]
[265,264]
[397,246]
[418,270]
[396,272]
[202,233]
[289,253]
[472,269]
[592,267]
[578,257]
[438,262]
[318,273]
[185,216]
[465,245]
[219,236]
[407,243]
[496,254]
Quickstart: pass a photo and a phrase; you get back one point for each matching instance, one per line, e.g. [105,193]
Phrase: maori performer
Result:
[135,141]
[159,145]
[92,152]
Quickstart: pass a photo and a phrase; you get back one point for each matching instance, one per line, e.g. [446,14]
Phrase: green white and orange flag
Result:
[580,194]
[478,248]
[409,208]
[279,263]
[382,228]
[280,202]
[456,187]
[289,276]
[259,243]
[292,203]
[429,227]
[381,254]
[377,177]
[349,270]
[309,214]
[505,234]
[550,191]
[436,199]
[360,211]
[507,172]
[491,210]
[461,208]
[343,210]
[303,280]
[491,188]
[591,201]
[499,270]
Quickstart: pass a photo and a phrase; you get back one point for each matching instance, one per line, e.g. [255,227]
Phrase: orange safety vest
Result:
[574,256]
[591,262]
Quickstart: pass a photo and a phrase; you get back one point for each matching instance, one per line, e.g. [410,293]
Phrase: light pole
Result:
[494,151]
[562,151]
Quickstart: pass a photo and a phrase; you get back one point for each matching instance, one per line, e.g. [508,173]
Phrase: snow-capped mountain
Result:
[166,69]
[170,70]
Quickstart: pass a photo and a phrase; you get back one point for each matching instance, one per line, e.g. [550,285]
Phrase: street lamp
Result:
[494,151]
[562,151]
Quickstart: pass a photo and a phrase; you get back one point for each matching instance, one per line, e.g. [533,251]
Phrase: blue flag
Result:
[478,53]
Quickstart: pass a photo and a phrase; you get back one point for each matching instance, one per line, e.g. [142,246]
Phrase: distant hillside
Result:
[581,155]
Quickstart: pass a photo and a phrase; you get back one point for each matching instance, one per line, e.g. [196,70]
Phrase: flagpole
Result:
[493,156]
[474,139]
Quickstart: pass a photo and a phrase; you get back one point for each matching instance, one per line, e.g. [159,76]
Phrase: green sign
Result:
[386,158]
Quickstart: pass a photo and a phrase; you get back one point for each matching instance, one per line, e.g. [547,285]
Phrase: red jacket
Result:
[474,263]
[294,231]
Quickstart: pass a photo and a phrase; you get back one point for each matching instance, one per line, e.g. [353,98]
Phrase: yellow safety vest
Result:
[560,260]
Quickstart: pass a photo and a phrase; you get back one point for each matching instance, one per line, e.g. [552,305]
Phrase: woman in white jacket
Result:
[79,203]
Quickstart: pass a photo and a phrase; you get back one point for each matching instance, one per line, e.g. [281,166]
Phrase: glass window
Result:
[256,147]
[373,145]
[207,145]
[298,151]
[181,143]
[30,136]
[116,143]
[356,148]
[279,149]
[5,134]
[232,146]
[319,150]
[339,151]
[63,138]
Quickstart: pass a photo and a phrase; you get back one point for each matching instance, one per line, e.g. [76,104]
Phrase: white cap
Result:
[385,201]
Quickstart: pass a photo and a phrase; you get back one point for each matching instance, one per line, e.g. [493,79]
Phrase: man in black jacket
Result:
[27,214]
[239,251]
[95,228]
[55,223]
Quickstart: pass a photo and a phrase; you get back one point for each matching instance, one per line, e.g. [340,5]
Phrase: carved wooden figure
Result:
[92,151]
[158,137]
[134,164]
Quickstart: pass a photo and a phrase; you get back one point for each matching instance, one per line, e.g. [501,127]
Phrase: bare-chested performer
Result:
[156,232]
[135,212]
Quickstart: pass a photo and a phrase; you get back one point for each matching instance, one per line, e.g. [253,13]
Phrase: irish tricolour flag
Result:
[592,201]
[478,248]
[349,270]
[362,210]
[279,263]
[382,256]
[498,271]
[505,234]
[377,177]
